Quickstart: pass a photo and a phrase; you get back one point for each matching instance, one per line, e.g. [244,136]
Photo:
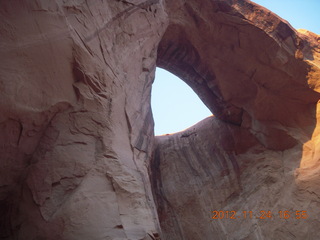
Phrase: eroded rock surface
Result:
[261,78]
[257,73]
[77,151]
[214,166]
[76,123]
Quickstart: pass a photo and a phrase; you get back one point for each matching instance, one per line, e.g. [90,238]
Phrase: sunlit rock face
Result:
[260,153]
[79,159]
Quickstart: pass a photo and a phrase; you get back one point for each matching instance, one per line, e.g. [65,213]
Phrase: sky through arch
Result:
[175,105]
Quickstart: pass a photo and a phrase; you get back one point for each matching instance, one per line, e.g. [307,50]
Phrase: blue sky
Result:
[176,107]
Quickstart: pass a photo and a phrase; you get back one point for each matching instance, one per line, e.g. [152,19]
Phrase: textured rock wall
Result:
[214,166]
[242,60]
[76,124]
[261,78]
[76,128]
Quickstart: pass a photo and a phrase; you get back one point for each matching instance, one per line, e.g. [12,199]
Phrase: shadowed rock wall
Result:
[77,150]
[76,123]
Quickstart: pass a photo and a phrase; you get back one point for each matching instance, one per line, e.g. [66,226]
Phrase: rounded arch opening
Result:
[175,105]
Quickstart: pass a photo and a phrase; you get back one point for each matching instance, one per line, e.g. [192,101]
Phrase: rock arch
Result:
[78,154]
[251,68]
[224,58]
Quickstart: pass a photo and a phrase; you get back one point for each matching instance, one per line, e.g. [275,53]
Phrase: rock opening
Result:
[175,106]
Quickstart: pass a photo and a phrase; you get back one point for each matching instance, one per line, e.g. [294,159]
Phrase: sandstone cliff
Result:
[79,159]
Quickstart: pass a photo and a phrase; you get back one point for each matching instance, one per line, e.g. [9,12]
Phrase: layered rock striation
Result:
[79,159]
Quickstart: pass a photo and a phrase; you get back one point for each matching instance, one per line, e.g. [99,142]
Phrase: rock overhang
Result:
[242,61]
[82,149]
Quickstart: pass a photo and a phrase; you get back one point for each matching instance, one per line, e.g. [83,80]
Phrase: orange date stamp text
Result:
[263,214]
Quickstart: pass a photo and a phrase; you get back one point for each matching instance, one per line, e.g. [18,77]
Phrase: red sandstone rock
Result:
[76,130]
